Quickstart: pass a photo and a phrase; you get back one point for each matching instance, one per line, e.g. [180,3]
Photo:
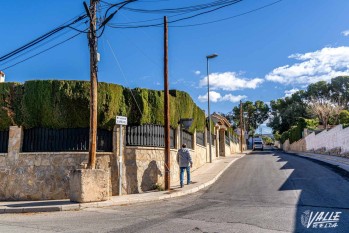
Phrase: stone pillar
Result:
[178,138]
[216,128]
[305,132]
[15,142]
[87,185]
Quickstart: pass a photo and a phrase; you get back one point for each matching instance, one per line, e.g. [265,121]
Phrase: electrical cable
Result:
[124,26]
[41,38]
[123,74]
[42,51]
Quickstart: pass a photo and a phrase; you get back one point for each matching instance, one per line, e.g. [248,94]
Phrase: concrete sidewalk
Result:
[331,159]
[201,178]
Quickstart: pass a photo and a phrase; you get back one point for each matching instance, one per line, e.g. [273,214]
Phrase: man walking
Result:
[185,163]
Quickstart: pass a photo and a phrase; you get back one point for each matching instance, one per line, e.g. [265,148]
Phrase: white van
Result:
[258,145]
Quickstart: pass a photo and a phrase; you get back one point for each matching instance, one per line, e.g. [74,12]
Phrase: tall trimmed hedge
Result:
[65,104]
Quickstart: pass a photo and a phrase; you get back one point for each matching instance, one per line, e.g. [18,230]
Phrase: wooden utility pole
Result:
[166,110]
[241,138]
[92,41]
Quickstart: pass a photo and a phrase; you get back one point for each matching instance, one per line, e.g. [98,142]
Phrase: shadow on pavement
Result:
[323,204]
[40,203]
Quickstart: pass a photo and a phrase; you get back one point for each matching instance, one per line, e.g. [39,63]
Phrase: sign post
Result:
[120,120]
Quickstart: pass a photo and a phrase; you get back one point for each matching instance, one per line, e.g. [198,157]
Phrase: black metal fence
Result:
[55,140]
[234,139]
[4,135]
[187,139]
[200,138]
[148,135]
[227,141]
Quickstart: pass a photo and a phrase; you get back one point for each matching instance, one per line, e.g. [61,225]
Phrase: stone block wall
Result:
[45,175]
[42,176]
[299,145]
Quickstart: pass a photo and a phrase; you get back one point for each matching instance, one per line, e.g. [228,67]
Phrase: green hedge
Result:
[65,104]
[295,133]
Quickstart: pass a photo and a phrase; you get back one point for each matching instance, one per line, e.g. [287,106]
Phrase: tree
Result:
[254,115]
[339,90]
[285,112]
[324,110]
[319,91]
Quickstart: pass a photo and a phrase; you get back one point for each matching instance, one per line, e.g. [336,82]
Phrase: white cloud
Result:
[288,93]
[217,97]
[233,98]
[198,72]
[345,33]
[230,81]
[315,66]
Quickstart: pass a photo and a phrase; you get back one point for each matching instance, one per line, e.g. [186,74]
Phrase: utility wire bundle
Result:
[176,14]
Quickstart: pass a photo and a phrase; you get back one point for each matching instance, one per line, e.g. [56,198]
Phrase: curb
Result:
[77,206]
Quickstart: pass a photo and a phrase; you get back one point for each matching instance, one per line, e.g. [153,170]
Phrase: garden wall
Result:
[333,141]
[45,175]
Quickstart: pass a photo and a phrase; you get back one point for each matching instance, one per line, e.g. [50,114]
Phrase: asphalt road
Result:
[265,191]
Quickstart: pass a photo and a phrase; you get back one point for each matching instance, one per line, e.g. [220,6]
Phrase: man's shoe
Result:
[181,185]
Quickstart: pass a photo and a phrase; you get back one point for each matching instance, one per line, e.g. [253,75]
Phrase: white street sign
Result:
[121,120]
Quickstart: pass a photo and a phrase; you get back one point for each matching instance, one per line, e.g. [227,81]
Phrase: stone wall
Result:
[44,176]
[41,176]
[332,141]
[299,145]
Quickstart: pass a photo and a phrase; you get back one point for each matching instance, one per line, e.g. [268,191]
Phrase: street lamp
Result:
[208,100]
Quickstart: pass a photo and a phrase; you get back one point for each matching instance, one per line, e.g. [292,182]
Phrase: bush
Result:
[65,104]
[344,117]
[284,136]
[10,104]
[295,133]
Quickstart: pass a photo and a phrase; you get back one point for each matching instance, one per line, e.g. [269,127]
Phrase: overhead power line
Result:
[131,25]
[40,39]
[72,37]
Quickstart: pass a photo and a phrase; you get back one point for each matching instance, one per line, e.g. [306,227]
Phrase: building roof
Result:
[218,119]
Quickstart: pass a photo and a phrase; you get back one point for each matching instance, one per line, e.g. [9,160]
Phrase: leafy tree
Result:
[339,90]
[267,140]
[254,115]
[319,91]
[286,112]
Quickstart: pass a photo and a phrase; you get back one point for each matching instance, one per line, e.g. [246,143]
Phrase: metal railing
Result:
[55,140]
[227,141]
[200,138]
[148,135]
[4,135]
[187,139]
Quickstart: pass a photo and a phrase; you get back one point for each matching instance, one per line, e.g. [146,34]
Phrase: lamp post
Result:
[208,57]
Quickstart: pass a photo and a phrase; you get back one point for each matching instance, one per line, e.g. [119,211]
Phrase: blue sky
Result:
[263,55]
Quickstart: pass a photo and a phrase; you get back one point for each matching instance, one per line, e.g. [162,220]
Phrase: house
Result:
[2,77]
